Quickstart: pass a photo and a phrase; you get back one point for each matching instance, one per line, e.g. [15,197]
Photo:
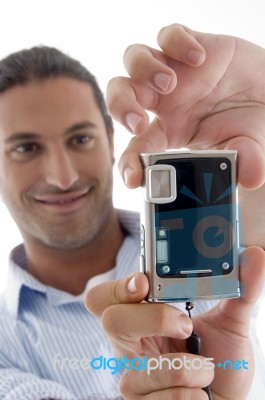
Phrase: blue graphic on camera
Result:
[213,237]
[198,239]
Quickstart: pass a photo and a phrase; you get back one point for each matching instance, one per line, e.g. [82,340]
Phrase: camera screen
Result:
[195,233]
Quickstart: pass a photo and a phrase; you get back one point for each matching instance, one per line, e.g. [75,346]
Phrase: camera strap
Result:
[193,343]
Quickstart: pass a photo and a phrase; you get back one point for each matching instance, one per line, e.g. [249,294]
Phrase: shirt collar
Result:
[18,277]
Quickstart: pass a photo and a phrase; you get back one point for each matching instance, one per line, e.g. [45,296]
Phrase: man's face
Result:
[55,162]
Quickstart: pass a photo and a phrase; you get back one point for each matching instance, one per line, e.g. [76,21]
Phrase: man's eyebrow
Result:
[79,126]
[22,136]
[17,136]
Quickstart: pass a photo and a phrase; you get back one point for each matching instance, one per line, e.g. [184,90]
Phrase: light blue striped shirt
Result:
[47,336]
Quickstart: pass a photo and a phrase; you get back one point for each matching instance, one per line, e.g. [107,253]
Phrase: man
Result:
[204,95]
[56,157]
[56,179]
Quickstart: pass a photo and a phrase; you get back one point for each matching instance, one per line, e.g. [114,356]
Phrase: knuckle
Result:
[166,375]
[126,385]
[179,394]
[90,301]
[113,82]
[185,376]
[120,97]
[113,95]
[128,50]
[182,393]
[117,292]
[161,318]
[166,33]
[108,319]
[178,374]
[135,58]
[135,68]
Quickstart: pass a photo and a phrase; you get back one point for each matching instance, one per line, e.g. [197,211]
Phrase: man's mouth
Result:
[64,201]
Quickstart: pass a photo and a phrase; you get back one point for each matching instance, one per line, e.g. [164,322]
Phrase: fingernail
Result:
[126,174]
[132,285]
[162,80]
[195,56]
[132,120]
[185,324]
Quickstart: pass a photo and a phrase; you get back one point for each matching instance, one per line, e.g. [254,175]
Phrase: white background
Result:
[97,32]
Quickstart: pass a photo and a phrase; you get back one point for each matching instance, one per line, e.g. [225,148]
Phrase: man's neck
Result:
[69,270]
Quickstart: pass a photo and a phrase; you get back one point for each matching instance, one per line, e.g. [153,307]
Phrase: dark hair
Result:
[42,62]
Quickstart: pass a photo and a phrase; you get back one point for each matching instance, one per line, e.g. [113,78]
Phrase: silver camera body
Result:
[189,225]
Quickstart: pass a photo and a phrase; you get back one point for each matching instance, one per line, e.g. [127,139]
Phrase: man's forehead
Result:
[52,86]
[47,101]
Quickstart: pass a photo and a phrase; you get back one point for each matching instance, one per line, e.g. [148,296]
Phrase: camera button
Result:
[142,264]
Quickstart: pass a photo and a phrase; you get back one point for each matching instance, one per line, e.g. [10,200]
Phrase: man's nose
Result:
[60,170]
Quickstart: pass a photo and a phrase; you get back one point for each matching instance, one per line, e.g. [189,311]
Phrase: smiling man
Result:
[56,178]
[56,159]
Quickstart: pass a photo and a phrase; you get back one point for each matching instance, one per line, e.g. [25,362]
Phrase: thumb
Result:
[249,150]
[252,277]
[131,289]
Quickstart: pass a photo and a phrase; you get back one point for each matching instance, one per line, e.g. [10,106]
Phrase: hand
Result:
[207,91]
[138,329]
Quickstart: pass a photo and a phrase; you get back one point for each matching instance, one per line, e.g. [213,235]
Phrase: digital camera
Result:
[189,225]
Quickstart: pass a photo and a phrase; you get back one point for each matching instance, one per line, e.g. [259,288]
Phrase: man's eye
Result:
[26,148]
[81,139]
